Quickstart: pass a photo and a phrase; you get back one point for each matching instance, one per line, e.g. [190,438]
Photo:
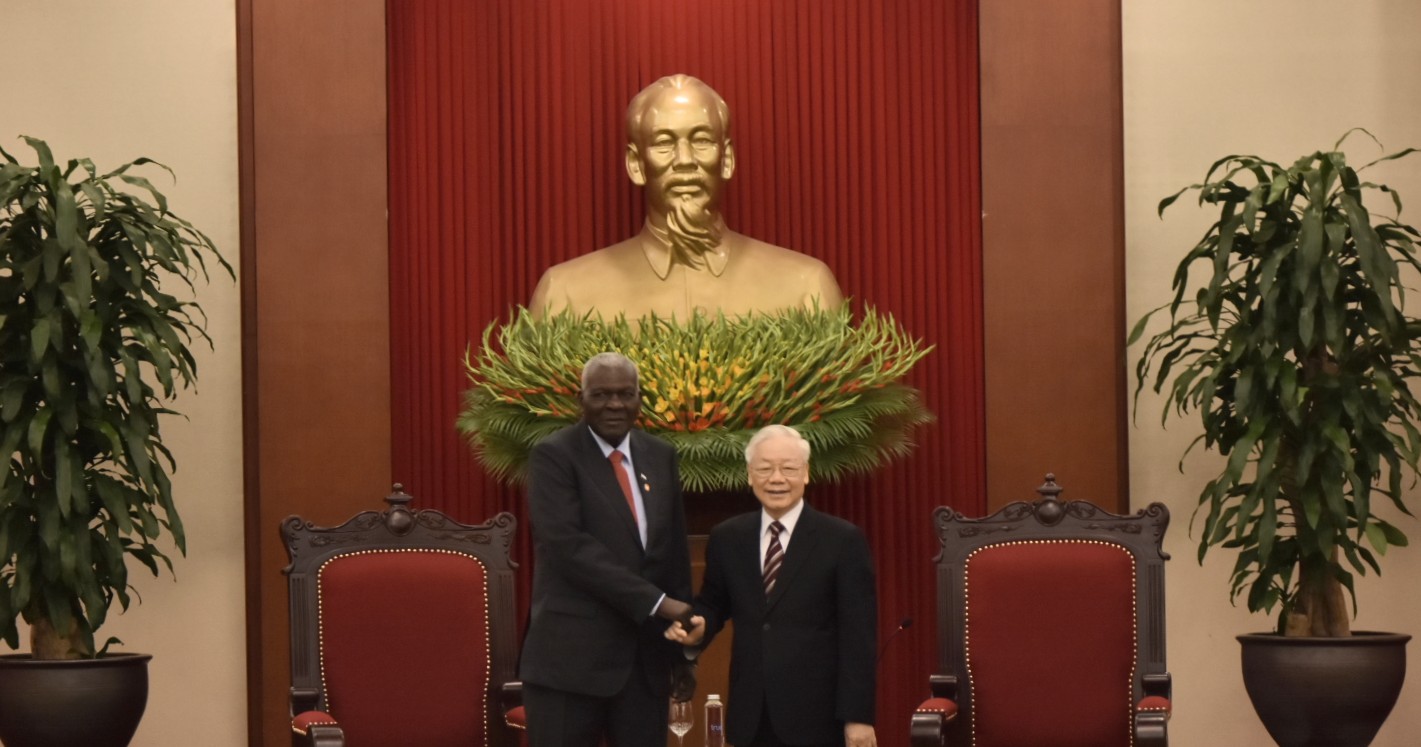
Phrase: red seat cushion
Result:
[1051,644]
[404,647]
[1155,703]
[943,706]
[304,721]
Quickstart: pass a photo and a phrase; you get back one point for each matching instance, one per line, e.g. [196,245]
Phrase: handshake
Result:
[683,671]
[686,628]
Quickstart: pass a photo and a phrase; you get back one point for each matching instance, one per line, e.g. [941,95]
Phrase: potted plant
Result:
[1293,347]
[93,342]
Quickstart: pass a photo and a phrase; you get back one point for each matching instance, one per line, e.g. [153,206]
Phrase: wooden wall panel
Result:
[1053,249]
[315,296]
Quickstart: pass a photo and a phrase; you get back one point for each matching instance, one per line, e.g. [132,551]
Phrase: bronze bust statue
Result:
[684,259]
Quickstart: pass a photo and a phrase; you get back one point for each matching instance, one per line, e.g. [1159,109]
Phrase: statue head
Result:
[679,150]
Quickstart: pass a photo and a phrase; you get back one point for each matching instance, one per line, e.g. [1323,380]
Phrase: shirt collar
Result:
[790,518]
[657,248]
[607,448]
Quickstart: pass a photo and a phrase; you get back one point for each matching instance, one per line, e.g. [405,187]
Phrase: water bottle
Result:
[715,721]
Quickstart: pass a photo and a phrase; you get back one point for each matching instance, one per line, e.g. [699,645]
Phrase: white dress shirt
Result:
[790,518]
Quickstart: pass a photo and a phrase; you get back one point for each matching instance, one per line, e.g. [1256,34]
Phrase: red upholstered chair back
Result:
[408,627]
[1050,620]
[402,626]
[1050,643]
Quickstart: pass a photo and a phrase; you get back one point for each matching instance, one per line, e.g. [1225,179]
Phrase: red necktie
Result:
[774,556]
[624,480]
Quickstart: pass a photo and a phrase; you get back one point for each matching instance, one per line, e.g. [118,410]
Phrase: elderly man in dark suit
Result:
[611,566]
[798,585]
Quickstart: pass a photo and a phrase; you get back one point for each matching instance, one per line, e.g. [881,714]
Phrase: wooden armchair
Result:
[402,629]
[1050,628]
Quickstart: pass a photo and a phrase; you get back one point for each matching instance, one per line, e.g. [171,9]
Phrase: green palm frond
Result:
[707,384]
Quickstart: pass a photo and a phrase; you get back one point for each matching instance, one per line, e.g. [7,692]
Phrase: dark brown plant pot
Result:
[72,703]
[1323,692]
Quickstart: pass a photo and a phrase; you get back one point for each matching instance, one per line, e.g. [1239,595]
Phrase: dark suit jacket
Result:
[806,652]
[594,586]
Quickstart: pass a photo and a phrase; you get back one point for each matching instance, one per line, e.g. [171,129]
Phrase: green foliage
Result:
[86,326]
[1297,357]
[707,385]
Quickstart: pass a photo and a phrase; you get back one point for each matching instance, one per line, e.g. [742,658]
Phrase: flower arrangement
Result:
[707,384]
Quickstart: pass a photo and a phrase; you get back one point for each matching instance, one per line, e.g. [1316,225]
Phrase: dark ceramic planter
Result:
[78,703]
[1323,692]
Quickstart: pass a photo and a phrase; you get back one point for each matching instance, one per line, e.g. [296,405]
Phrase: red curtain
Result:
[856,130]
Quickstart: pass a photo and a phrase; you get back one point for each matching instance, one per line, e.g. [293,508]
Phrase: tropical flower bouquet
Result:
[707,384]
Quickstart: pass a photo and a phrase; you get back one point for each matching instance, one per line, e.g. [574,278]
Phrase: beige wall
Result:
[1276,78]
[156,78]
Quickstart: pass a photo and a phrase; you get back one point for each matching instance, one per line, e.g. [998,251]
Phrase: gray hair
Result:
[608,359]
[775,431]
[637,108]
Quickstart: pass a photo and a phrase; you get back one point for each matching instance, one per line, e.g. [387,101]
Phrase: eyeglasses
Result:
[603,396]
[792,471]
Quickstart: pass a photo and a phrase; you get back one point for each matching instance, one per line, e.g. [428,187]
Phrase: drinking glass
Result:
[681,720]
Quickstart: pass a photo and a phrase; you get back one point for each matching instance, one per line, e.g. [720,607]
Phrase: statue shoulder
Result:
[566,283]
[768,255]
[786,276]
[620,253]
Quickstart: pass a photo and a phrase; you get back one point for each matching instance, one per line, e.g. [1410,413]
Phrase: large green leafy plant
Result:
[88,324]
[1296,354]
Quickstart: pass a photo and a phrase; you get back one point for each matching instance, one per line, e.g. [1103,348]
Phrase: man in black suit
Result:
[611,565]
[798,584]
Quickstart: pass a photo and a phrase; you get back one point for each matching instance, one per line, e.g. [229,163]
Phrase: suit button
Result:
[767,626]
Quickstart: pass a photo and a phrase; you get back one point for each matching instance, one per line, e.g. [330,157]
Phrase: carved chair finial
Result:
[398,518]
[1049,509]
[1048,489]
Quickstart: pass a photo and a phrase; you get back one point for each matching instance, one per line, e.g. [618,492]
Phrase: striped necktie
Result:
[774,557]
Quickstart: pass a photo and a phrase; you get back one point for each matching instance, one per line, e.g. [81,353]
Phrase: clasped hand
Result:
[677,631]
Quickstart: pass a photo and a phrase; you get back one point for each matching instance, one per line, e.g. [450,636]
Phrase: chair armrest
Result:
[304,699]
[1152,721]
[943,686]
[514,714]
[930,720]
[1159,685]
[316,729]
